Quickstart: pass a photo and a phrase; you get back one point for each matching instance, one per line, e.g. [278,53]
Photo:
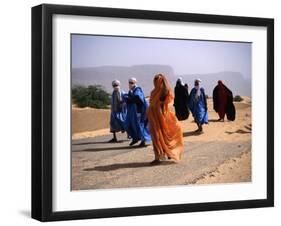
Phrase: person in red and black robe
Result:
[223,102]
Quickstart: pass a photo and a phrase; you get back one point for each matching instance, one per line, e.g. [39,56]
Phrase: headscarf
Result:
[221,85]
[198,92]
[116,84]
[161,89]
[133,80]
[179,81]
[132,83]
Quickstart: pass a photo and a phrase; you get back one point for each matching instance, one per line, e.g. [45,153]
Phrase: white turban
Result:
[116,82]
[134,80]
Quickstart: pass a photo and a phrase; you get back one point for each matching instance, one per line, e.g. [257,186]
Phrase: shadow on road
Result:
[248,127]
[213,120]
[242,131]
[106,149]
[191,133]
[238,131]
[216,120]
[126,165]
[100,142]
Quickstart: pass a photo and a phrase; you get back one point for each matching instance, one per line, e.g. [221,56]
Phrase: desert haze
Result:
[144,73]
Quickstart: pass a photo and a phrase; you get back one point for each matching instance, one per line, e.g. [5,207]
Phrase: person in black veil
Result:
[181,100]
[223,102]
[186,86]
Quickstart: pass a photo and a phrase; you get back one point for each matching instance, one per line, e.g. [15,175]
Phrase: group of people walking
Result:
[154,121]
[128,113]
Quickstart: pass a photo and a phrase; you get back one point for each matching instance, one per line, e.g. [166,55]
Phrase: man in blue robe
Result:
[136,120]
[118,111]
[198,105]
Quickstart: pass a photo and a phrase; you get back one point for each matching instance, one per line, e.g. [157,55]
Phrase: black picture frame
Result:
[42,107]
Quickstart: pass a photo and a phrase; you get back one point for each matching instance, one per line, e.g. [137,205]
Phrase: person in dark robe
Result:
[223,102]
[186,86]
[136,121]
[198,105]
[118,111]
[181,100]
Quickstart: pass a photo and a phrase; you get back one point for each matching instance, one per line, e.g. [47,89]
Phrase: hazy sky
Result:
[185,56]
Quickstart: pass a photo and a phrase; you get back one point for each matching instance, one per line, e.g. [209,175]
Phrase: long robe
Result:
[118,112]
[181,102]
[136,120]
[223,102]
[198,106]
[164,127]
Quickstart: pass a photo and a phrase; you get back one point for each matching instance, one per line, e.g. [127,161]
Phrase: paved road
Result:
[100,146]
[99,164]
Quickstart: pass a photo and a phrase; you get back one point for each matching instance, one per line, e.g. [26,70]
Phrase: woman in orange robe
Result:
[164,127]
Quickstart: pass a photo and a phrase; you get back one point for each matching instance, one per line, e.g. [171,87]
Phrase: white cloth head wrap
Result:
[198,80]
[134,80]
[116,82]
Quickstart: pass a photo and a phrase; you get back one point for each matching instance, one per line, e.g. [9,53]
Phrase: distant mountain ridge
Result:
[144,73]
[104,75]
[233,80]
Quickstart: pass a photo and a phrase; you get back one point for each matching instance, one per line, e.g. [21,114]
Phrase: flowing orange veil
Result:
[165,129]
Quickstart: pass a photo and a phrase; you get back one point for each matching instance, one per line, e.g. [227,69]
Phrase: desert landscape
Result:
[222,154]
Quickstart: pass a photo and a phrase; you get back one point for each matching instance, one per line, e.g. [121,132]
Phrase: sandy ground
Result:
[236,169]
[89,119]
[222,154]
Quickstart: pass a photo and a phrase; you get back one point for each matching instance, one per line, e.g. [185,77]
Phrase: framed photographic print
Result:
[139,112]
